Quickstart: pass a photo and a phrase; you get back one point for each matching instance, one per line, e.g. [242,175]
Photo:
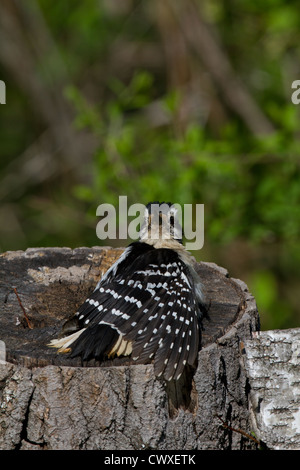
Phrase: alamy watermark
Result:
[296,94]
[2,92]
[188,222]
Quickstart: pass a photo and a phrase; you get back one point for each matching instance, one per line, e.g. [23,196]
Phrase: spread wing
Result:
[145,306]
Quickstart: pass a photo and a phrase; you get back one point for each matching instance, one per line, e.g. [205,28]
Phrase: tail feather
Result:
[63,344]
[97,342]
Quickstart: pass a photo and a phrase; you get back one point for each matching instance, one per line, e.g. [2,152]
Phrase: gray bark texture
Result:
[272,363]
[49,401]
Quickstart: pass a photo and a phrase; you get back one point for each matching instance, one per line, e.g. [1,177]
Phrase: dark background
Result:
[176,100]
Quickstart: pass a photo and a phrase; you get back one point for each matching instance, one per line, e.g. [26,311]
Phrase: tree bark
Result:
[48,401]
[272,365]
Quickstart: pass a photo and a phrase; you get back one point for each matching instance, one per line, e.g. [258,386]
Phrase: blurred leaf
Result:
[268,298]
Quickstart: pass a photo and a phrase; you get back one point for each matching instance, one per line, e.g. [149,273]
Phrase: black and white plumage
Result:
[148,305]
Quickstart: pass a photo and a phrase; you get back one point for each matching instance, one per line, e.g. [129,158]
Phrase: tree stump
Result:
[49,401]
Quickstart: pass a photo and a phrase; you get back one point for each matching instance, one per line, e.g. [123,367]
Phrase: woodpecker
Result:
[149,305]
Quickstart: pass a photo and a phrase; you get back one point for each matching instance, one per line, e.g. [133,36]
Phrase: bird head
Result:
[161,222]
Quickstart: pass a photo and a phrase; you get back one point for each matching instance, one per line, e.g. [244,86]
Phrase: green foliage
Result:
[250,189]
[267,296]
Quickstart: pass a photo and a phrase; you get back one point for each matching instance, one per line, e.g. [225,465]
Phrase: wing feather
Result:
[150,303]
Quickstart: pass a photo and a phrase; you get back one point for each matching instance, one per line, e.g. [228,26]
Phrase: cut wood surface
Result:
[49,401]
